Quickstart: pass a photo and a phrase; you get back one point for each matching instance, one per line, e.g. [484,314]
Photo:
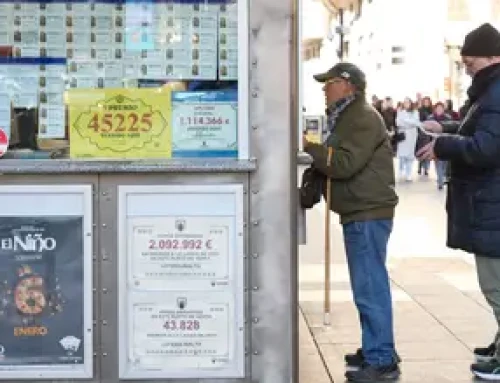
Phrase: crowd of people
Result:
[403,121]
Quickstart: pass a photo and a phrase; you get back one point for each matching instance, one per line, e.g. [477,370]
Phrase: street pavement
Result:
[440,314]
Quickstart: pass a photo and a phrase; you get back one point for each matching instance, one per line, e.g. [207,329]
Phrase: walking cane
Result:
[327,242]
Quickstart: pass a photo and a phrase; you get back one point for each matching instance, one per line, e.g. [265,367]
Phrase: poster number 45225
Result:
[121,122]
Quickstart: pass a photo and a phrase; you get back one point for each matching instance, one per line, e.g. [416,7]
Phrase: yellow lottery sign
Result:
[120,123]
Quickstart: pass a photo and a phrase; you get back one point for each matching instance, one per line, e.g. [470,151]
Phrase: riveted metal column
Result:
[272,283]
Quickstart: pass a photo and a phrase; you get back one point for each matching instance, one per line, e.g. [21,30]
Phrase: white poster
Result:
[181,282]
[180,248]
[183,330]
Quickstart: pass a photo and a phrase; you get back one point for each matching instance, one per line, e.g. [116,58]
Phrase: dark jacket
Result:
[389,116]
[424,112]
[362,169]
[473,201]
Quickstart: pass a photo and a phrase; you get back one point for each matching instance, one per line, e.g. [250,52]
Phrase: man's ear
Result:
[352,88]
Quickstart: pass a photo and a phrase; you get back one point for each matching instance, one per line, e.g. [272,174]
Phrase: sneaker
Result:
[487,371]
[485,354]
[357,359]
[369,374]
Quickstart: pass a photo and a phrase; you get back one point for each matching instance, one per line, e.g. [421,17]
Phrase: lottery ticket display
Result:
[57,46]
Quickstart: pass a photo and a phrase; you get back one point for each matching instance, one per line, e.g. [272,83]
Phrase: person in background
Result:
[407,122]
[424,111]
[375,101]
[361,171]
[473,195]
[389,115]
[440,116]
[418,100]
[450,111]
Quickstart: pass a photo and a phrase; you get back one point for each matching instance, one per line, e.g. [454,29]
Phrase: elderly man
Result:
[362,174]
[473,201]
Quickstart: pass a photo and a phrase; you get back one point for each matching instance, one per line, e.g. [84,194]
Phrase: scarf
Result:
[334,110]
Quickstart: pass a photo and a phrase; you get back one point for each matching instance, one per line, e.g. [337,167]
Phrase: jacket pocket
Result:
[341,198]
[460,204]
[369,189]
[486,207]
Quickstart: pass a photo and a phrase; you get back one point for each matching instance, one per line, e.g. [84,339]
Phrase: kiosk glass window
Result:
[117,79]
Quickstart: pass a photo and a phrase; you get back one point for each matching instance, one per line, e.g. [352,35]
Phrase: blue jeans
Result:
[405,167]
[424,165]
[366,249]
[441,172]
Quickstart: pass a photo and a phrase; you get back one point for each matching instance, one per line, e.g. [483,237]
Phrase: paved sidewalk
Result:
[440,315]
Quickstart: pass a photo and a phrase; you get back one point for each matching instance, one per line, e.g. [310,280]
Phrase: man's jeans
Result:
[441,167]
[366,249]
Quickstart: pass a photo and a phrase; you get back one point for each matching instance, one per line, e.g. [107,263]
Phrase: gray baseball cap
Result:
[347,71]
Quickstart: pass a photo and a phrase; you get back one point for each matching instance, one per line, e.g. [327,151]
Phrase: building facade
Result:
[408,47]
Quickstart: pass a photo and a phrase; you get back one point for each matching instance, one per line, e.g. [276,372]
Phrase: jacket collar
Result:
[339,105]
[335,110]
[482,80]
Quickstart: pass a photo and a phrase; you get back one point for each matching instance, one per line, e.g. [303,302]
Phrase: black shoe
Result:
[485,354]
[487,371]
[369,374]
[357,359]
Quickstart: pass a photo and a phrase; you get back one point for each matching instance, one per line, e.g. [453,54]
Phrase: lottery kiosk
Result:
[148,191]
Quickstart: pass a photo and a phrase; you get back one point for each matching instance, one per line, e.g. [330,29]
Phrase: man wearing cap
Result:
[473,198]
[362,174]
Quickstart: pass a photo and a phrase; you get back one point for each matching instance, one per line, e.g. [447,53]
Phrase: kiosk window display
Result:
[117,79]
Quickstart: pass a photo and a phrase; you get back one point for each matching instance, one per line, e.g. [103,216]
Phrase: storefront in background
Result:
[147,198]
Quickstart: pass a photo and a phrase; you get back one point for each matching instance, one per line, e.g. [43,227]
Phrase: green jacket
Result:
[362,169]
